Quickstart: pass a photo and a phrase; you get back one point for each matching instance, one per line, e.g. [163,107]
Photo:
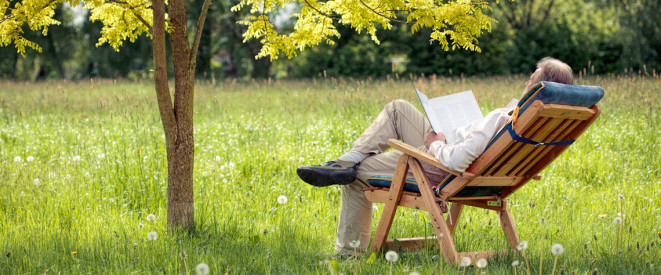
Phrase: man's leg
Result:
[355,210]
[398,120]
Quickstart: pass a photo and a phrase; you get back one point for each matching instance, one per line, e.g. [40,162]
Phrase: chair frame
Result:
[505,163]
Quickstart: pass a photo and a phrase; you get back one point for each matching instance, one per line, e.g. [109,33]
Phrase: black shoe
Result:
[328,173]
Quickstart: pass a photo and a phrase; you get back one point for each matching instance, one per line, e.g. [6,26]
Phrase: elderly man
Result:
[401,120]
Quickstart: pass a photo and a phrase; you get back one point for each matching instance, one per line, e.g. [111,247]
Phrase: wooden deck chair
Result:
[550,117]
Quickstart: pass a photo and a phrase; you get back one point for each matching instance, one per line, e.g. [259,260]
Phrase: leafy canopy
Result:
[454,23]
[122,19]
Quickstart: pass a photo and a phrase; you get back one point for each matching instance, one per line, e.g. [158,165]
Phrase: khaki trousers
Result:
[398,120]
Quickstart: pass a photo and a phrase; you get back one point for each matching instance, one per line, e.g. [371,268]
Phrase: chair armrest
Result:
[425,157]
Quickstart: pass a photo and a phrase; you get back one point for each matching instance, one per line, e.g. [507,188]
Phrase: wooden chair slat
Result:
[524,148]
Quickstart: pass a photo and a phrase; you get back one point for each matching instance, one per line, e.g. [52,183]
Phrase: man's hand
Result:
[431,137]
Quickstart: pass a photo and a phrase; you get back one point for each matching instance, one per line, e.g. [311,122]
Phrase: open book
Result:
[447,113]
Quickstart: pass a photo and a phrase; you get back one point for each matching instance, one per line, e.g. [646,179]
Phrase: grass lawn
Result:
[82,165]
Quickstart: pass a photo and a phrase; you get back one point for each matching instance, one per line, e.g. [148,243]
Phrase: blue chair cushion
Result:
[557,93]
[385,181]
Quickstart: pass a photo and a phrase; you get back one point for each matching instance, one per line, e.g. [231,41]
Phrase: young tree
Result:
[454,24]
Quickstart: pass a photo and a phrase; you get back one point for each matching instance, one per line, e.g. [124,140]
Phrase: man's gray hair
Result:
[554,70]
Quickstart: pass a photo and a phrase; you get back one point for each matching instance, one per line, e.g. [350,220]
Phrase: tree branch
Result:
[386,17]
[132,8]
[318,11]
[198,33]
[161,75]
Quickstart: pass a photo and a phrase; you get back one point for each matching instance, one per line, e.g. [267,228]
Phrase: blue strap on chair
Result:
[518,138]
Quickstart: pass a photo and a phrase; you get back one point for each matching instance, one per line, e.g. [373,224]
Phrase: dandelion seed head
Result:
[620,197]
[140,225]
[18,159]
[354,244]
[29,159]
[617,220]
[465,261]
[375,208]
[36,182]
[301,159]
[22,194]
[523,245]
[151,217]
[152,236]
[282,199]
[515,263]
[392,256]
[557,249]
[481,263]
[202,269]
[76,158]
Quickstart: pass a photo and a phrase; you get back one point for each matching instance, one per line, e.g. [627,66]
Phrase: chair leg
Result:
[507,224]
[390,207]
[453,217]
[435,213]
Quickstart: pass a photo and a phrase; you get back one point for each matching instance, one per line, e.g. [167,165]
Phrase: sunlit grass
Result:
[97,169]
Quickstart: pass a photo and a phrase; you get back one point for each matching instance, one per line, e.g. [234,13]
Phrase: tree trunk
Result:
[177,121]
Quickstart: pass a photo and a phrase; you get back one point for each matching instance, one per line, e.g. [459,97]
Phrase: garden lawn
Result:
[82,164]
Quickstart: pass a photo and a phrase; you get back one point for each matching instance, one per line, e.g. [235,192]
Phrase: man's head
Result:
[550,69]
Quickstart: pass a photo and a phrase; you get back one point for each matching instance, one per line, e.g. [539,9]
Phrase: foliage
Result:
[454,24]
[92,167]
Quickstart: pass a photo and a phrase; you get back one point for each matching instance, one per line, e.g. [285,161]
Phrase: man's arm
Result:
[473,140]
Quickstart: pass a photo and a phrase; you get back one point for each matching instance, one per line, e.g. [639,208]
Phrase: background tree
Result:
[453,24]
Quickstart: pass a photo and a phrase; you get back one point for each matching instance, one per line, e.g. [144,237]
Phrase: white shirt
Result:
[471,140]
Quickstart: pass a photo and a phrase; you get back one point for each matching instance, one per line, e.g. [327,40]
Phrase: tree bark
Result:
[177,121]
[180,160]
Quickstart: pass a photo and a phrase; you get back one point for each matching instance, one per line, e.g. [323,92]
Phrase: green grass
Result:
[98,169]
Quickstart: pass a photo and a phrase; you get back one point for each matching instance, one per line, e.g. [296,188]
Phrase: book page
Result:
[446,113]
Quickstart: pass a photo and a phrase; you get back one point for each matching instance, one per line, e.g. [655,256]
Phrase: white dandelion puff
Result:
[202,269]
[465,261]
[481,263]
[216,158]
[22,194]
[18,159]
[617,220]
[152,236]
[354,244]
[151,217]
[76,158]
[557,249]
[620,197]
[29,159]
[523,245]
[140,225]
[391,256]
[515,263]
[375,208]
[301,159]
[282,199]
[36,182]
